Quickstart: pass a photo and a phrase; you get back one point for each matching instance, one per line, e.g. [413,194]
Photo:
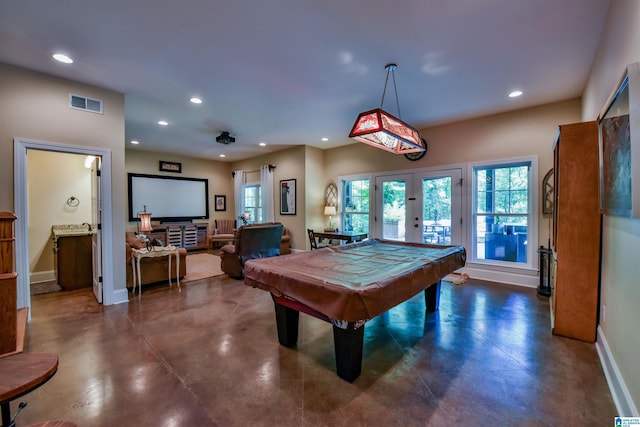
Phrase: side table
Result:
[156,251]
[22,373]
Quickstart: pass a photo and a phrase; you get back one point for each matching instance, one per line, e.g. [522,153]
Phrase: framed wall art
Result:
[170,166]
[288,197]
[619,147]
[220,202]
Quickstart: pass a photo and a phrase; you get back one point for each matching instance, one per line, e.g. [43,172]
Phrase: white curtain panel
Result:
[238,192]
[266,185]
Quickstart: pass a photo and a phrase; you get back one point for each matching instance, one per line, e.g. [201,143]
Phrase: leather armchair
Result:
[251,241]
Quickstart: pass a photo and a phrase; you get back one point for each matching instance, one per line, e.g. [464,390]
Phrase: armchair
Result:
[224,232]
[251,241]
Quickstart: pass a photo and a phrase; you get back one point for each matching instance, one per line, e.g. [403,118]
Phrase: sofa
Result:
[251,242]
[285,242]
[152,270]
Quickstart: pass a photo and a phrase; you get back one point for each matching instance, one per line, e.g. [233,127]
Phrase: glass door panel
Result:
[441,203]
[391,206]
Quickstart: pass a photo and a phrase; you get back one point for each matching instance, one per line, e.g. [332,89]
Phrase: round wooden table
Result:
[22,373]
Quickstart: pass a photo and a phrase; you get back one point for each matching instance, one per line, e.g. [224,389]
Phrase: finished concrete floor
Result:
[208,355]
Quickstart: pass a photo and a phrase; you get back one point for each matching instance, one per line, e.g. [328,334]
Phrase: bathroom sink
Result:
[67,230]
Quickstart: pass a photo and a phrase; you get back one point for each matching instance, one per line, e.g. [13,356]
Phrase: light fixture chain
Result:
[384,91]
[393,74]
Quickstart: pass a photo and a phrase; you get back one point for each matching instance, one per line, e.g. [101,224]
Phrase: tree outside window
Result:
[356,205]
[253,203]
[502,211]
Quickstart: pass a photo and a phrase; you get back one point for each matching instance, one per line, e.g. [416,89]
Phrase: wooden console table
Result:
[22,373]
[157,251]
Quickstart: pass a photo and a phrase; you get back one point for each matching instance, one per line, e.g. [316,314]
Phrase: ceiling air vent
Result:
[83,103]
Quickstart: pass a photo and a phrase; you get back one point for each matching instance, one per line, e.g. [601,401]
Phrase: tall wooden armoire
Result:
[576,232]
[8,285]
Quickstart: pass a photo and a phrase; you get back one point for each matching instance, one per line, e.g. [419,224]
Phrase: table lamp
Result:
[245,217]
[145,226]
[329,211]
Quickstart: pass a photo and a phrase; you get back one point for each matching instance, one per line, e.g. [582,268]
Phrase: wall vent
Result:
[80,102]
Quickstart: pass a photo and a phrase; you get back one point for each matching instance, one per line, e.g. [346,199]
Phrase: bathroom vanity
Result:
[72,246]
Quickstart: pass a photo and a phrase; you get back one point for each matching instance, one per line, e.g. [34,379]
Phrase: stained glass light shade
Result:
[382,130]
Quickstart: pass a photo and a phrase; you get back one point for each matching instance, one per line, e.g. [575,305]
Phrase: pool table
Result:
[349,285]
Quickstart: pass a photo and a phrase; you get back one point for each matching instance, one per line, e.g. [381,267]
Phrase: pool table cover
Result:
[355,282]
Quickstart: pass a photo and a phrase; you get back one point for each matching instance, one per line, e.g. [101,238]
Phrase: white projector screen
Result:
[168,198]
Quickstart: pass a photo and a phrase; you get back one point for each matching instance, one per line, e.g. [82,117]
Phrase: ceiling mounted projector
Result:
[225,138]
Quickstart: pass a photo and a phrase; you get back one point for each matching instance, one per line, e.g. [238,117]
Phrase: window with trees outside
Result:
[501,212]
[253,203]
[355,195]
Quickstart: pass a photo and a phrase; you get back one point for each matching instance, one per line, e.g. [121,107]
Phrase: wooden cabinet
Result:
[576,232]
[74,262]
[188,236]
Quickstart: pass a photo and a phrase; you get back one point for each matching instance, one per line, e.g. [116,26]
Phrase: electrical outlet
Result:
[603,315]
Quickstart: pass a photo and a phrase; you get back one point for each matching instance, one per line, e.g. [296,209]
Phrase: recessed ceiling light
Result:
[163,123]
[262,144]
[134,142]
[196,100]
[325,139]
[62,58]
[223,155]
[515,94]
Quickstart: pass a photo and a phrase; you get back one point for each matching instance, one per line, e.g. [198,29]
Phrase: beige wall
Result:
[620,287]
[525,132]
[52,179]
[35,106]
[218,174]
[290,164]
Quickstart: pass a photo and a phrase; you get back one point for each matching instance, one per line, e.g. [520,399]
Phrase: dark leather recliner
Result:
[251,242]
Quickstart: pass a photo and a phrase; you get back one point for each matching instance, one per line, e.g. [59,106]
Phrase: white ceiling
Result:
[289,72]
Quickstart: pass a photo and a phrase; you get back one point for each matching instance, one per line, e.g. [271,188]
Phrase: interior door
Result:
[96,225]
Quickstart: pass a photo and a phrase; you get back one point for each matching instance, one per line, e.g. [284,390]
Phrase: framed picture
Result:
[288,197]
[170,167]
[619,145]
[220,202]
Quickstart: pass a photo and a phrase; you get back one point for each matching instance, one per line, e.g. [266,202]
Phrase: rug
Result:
[201,266]
[45,287]
[456,278]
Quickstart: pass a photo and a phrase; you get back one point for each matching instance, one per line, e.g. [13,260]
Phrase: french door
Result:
[420,207]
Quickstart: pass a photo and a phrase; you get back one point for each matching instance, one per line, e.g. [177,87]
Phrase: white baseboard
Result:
[619,391]
[42,276]
[503,277]
[120,296]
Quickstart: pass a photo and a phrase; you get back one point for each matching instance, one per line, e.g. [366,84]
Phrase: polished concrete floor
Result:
[208,355]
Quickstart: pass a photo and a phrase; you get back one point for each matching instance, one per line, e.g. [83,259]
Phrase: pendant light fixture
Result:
[384,131]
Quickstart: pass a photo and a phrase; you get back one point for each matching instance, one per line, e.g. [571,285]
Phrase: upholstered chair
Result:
[223,233]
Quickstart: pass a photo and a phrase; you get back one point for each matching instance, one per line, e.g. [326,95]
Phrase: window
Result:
[355,215]
[501,212]
[253,203]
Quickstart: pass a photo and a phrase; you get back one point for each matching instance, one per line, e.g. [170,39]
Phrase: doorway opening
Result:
[100,208]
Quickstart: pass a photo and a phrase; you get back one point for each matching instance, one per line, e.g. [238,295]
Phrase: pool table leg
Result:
[348,347]
[287,323]
[432,296]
